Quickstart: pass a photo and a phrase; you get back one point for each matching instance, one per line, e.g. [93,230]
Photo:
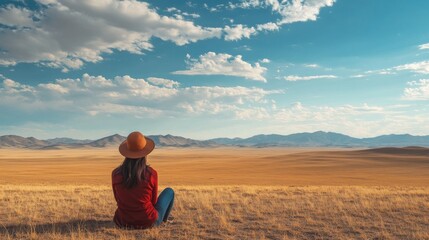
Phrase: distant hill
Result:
[13,141]
[68,141]
[170,140]
[315,139]
[109,141]
[325,139]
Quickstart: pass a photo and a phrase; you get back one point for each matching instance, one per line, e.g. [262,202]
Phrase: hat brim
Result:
[124,151]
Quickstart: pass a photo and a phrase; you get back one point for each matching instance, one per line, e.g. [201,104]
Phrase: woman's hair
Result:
[133,171]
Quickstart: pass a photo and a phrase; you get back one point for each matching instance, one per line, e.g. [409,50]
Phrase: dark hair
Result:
[133,171]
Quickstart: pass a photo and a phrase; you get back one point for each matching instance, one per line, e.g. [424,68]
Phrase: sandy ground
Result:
[220,166]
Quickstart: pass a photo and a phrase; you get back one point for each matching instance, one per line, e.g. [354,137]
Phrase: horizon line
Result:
[168,134]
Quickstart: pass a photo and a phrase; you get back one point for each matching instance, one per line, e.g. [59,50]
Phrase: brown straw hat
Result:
[136,146]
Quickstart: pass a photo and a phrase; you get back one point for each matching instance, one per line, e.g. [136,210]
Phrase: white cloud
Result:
[386,72]
[66,34]
[179,13]
[418,90]
[424,46]
[233,101]
[95,95]
[305,78]
[245,4]
[54,87]
[313,65]
[98,98]
[270,26]
[299,10]
[418,67]
[224,64]
[290,12]
[163,82]
[358,76]
[10,86]
[238,32]
[193,15]
[265,60]
[172,9]
[16,17]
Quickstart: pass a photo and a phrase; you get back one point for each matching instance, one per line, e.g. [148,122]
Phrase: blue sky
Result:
[87,69]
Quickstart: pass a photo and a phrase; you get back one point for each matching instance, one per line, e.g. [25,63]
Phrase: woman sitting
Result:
[135,186]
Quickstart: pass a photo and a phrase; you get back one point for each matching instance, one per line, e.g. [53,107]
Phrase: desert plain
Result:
[223,193]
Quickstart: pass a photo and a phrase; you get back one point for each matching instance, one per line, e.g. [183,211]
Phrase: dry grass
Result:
[222,212]
[302,194]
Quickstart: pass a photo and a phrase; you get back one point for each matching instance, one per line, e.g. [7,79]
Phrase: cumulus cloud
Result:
[270,26]
[290,11]
[424,46]
[305,78]
[96,95]
[238,32]
[11,86]
[418,67]
[299,10]
[224,64]
[417,90]
[66,34]
[16,17]
[54,87]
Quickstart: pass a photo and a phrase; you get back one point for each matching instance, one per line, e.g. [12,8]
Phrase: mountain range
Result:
[315,139]
[14,141]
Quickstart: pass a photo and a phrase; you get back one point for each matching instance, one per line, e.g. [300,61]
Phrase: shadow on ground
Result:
[61,227]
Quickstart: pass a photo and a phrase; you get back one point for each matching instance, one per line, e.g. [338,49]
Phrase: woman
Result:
[135,186]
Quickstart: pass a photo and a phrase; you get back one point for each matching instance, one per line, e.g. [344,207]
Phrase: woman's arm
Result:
[114,183]
[154,178]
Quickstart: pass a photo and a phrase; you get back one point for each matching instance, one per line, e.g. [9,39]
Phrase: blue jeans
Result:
[164,205]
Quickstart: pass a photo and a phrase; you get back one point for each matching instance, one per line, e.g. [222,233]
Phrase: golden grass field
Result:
[222,193]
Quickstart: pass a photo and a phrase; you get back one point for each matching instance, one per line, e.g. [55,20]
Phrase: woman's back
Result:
[136,205]
[135,186]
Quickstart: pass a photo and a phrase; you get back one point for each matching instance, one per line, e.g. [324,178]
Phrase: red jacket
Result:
[136,206]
